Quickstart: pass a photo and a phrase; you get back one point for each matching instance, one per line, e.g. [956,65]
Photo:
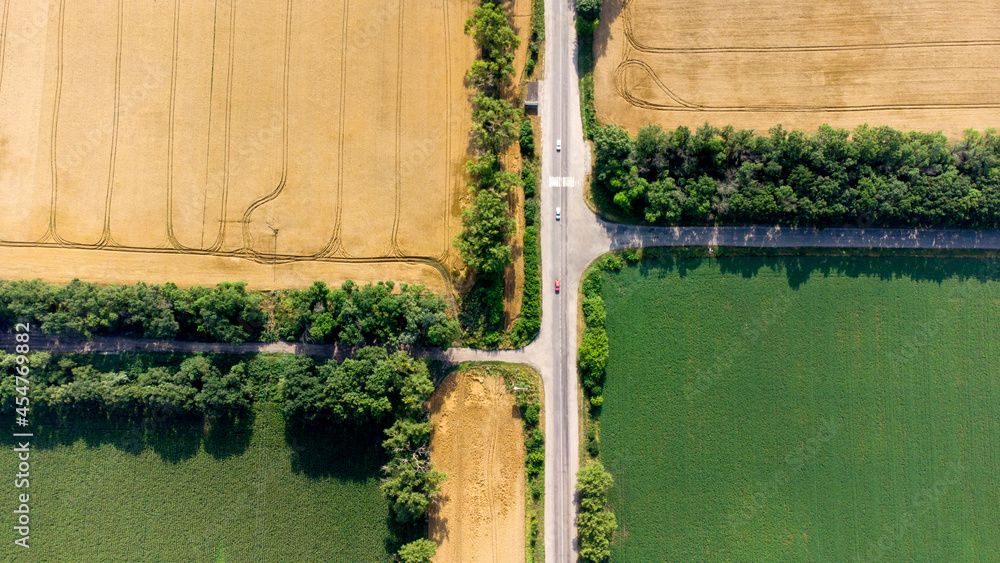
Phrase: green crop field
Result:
[168,492]
[804,409]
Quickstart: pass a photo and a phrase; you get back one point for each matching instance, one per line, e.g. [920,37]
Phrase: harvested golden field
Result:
[911,64]
[271,141]
[477,441]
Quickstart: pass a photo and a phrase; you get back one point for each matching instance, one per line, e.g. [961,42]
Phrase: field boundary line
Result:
[208,135]
[491,386]
[171,239]
[335,246]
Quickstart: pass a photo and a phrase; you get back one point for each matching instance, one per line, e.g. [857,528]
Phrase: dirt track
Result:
[223,137]
[477,440]
[918,65]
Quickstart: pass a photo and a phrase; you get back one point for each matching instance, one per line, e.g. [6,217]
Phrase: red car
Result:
[557,286]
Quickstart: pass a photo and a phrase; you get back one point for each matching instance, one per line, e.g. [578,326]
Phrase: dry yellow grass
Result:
[477,441]
[911,64]
[272,141]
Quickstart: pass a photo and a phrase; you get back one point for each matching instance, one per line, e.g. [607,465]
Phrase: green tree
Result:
[410,484]
[166,393]
[301,390]
[406,436]
[527,138]
[486,230]
[594,522]
[418,551]
[494,123]
[224,395]
[497,43]
[227,313]
[588,9]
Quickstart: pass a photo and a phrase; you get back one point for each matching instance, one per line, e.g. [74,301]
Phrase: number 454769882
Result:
[22,369]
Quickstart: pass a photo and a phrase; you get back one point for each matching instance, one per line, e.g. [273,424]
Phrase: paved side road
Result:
[622,236]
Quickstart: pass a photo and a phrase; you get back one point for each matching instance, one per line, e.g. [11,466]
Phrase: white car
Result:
[558,214]
[558,145]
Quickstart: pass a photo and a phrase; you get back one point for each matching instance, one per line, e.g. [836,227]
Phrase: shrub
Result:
[589,10]
[595,523]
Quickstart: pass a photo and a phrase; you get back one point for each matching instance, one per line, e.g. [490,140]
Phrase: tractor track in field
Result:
[680,104]
[3,40]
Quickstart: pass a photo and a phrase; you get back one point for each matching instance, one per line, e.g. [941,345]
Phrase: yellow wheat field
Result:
[274,141]
[911,64]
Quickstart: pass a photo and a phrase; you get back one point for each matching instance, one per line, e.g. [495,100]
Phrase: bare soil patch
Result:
[477,440]
[910,64]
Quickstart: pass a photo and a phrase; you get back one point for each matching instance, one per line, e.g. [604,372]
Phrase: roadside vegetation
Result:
[524,383]
[595,522]
[770,408]
[489,224]
[351,315]
[526,327]
[872,176]
[536,38]
[588,13]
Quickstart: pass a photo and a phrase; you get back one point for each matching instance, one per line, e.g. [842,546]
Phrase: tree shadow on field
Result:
[610,10]
[662,266]
[403,533]
[799,269]
[173,439]
[352,454]
[229,436]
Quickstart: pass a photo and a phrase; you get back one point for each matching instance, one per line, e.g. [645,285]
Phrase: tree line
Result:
[488,224]
[871,176]
[68,383]
[351,314]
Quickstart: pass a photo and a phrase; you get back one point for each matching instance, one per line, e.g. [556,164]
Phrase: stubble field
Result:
[803,409]
[276,142]
[913,65]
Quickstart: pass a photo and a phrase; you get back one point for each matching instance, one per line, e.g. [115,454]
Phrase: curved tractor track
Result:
[631,62]
[332,250]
